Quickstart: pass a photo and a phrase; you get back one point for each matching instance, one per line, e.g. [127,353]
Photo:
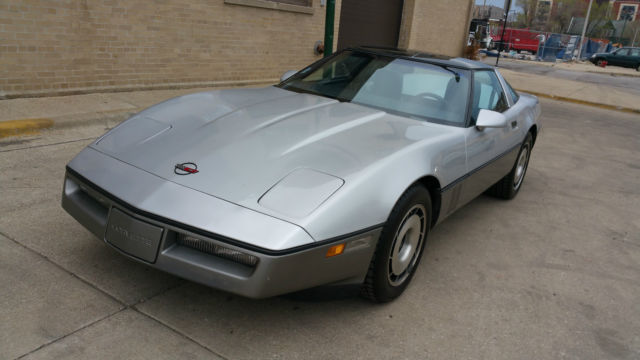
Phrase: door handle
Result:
[514,124]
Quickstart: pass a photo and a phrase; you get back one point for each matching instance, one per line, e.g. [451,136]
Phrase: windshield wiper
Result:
[453,72]
[311,92]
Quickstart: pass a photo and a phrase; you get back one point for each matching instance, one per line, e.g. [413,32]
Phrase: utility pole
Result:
[507,4]
[584,29]
[633,43]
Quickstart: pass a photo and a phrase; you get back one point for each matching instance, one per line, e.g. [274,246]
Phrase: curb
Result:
[582,102]
[613,74]
[14,128]
[23,127]
[129,88]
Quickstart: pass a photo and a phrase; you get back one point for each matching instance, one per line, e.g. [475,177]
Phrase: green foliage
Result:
[525,18]
[599,20]
[537,16]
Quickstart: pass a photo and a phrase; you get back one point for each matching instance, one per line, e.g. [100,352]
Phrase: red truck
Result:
[517,39]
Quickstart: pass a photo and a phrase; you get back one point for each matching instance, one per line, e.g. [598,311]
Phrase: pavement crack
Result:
[71,333]
[123,306]
[67,271]
[179,333]
[160,292]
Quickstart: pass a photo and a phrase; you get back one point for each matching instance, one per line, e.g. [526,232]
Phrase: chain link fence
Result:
[545,46]
[565,47]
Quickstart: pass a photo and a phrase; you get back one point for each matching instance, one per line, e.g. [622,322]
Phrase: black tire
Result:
[638,67]
[382,284]
[508,186]
[599,62]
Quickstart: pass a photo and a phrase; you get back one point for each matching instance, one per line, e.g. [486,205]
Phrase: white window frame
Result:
[635,13]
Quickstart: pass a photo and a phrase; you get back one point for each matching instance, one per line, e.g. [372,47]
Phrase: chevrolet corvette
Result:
[334,176]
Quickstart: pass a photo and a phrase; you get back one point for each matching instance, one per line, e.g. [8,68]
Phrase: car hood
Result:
[244,141]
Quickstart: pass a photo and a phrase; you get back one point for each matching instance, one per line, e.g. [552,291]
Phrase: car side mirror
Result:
[287,75]
[490,119]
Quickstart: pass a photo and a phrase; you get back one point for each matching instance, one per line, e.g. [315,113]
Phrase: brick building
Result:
[52,47]
[625,10]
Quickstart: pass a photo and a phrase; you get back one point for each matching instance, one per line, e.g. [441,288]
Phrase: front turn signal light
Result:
[335,250]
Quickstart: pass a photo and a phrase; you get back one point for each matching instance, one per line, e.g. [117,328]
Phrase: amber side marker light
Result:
[335,250]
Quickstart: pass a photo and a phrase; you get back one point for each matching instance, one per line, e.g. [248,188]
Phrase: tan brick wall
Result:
[63,45]
[73,46]
[436,26]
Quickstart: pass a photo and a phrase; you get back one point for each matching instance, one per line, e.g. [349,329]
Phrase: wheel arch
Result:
[534,133]
[432,184]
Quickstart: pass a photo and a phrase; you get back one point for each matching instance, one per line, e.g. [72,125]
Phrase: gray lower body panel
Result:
[154,242]
[456,195]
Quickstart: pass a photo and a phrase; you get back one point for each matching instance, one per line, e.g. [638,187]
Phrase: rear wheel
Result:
[508,186]
[400,246]
[638,67]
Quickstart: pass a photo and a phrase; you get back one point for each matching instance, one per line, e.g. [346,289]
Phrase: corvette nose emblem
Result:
[185,168]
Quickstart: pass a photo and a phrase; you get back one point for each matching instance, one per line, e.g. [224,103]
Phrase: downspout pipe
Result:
[328,27]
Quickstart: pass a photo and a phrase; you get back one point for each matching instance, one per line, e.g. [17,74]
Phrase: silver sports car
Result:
[334,176]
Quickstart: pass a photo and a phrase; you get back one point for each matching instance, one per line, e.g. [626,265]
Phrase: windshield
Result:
[409,88]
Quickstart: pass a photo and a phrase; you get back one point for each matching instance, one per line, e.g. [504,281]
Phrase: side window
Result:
[487,93]
[622,52]
[635,52]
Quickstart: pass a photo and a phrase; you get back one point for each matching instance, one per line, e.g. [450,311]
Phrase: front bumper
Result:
[276,272]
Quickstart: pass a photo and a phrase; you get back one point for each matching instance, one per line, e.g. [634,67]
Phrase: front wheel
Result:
[508,186]
[600,62]
[400,246]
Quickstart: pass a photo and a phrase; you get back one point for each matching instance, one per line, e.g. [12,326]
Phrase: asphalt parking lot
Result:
[553,274]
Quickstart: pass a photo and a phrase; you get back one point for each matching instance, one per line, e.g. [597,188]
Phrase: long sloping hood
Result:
[246,140]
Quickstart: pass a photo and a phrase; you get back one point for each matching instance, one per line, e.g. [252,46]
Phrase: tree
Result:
[598,20]
[542,15]
[632,30]
[561,16]
[557,18]
[525,18]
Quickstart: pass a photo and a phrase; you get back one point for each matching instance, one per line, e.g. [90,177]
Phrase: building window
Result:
[299,6]
[627,12]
